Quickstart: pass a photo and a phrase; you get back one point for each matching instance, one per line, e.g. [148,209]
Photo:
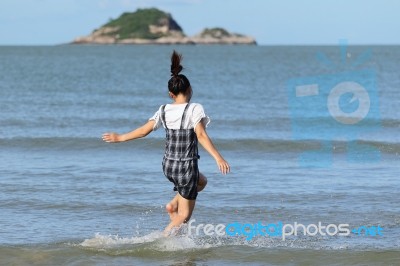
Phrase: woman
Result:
[185,124]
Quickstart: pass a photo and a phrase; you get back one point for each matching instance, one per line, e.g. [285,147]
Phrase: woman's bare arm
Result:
[206,142]
[135,134]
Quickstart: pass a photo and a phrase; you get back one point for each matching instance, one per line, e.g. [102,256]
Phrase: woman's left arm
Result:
[207,144]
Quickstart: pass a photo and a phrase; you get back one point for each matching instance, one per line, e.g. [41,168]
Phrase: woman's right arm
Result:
[140,132]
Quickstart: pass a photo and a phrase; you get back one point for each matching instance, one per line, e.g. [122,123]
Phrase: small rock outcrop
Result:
[221,36]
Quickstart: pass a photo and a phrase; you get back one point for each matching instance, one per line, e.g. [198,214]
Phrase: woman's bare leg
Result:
[183,213]
[172,207]
[180,209]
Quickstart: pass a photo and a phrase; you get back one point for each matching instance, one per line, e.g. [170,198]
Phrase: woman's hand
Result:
[111,137]
[223,166]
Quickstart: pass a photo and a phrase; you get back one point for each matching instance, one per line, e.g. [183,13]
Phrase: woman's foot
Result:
[202,182]
[172,207]
[185,212]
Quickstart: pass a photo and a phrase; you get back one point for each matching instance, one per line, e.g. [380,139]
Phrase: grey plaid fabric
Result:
[180,158]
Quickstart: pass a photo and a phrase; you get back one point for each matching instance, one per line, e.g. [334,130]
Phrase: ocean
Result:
[67,198]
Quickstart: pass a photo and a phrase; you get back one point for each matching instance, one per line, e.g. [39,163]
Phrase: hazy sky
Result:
[271,22]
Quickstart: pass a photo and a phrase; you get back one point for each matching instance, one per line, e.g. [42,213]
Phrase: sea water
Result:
[67,198]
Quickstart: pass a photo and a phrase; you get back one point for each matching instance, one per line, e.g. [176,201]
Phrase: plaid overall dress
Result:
[180,158]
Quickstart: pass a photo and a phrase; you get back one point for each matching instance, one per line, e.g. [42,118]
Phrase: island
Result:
[153,26]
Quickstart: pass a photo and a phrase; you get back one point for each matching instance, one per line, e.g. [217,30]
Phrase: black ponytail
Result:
[176,64]
[178,83]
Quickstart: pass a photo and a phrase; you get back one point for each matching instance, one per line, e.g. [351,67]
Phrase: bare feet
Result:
[172,207]
[202,182]
[179,217]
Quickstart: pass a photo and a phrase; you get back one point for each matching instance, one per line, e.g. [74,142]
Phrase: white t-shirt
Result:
[173,116]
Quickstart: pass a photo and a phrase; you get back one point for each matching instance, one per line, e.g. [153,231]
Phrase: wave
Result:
[259,121]
[235,145]
[156,243]
[187,249]
[143,254]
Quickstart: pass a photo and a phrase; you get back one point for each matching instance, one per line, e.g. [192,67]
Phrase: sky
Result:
[270,22]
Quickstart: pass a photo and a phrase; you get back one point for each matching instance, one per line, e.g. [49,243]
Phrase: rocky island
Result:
[153,26]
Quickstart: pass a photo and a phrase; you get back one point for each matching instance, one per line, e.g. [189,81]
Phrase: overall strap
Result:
[163,116]
[184,115]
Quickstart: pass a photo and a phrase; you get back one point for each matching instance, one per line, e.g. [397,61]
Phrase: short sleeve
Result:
[199,115]
[157,118]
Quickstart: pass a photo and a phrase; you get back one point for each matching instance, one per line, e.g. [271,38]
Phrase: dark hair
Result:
[178,83]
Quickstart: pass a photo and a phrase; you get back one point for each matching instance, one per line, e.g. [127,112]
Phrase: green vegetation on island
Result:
[136,24]
[215,32]
[153,26]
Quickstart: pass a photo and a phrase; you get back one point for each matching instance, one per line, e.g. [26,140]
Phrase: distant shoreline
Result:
[200,39]
[259,45]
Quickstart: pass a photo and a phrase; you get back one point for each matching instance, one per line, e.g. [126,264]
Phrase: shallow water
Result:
[68,198]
